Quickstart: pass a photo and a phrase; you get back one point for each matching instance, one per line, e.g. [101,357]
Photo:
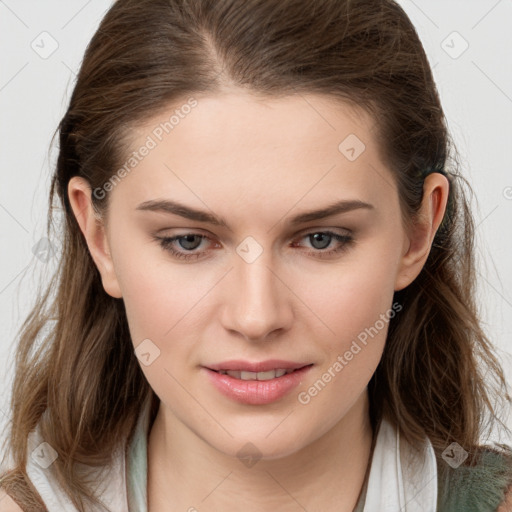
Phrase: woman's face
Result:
[261,273]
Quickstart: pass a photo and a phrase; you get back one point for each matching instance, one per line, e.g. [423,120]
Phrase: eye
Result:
[187,243]
[321,240]
[184,247]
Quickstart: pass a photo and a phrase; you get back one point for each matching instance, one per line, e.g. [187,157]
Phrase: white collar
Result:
[110,480]
[401,479]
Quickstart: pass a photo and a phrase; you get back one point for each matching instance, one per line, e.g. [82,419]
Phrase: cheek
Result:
[355,301]
[358,317]
[165,302]
[161,301]
[353,296]
[153,297]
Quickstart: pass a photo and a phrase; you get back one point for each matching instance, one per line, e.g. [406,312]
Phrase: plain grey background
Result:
[469,46]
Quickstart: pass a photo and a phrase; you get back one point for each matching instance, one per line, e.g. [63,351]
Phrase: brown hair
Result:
[148,54]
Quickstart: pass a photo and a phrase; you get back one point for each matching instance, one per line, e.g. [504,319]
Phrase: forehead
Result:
[249,123]
[240,147]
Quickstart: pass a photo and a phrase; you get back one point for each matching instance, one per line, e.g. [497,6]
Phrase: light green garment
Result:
[137,463]
[477,488]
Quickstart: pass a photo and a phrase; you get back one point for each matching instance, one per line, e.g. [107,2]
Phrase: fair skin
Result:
[256,163]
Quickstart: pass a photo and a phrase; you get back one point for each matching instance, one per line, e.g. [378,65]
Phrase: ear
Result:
[422,231]
[94,231]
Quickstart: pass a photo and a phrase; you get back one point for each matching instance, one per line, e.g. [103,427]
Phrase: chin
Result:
[251,448]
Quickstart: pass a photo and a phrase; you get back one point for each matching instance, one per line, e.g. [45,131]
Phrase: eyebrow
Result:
[176,208]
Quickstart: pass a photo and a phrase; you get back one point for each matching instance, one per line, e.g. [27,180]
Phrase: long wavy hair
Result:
[76,371]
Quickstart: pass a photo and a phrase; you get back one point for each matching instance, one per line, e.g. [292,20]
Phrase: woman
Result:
[266,295]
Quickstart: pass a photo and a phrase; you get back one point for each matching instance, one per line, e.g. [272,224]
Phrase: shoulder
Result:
[484,485]
[7,504]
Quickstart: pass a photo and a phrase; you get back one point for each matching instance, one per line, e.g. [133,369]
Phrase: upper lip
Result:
[258,366]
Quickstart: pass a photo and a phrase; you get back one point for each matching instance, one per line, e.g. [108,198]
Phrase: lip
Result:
[257,392]
[260,366]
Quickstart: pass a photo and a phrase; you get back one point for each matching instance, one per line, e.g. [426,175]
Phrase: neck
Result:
[326,475]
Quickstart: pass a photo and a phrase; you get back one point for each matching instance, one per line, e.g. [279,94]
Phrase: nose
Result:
[258,302]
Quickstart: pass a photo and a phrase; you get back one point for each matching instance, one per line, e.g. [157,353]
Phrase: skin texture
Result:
[256,162]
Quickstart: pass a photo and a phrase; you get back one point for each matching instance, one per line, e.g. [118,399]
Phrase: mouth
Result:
[256,383]
[268,375]
[261,371]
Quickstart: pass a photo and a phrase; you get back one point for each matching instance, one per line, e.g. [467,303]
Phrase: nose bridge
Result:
[258,303]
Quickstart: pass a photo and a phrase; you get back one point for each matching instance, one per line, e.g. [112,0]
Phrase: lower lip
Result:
[257,392]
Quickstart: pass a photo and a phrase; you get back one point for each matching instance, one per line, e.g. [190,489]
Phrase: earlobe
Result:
[93,229]
[421,234]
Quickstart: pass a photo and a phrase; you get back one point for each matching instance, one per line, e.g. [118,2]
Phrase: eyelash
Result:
[167,244]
